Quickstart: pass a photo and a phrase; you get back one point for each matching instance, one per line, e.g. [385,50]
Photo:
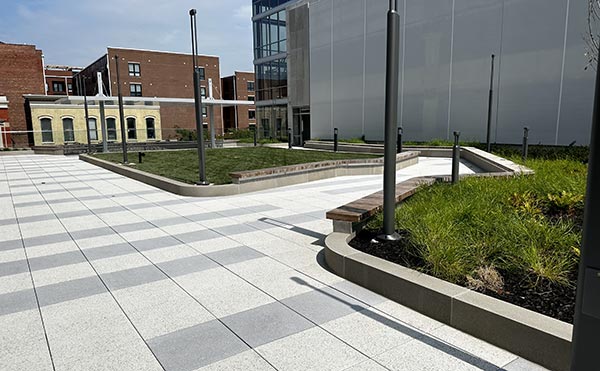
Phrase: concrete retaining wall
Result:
[531,335]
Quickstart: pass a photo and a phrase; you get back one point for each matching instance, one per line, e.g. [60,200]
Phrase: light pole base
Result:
[205,183]
[389,237]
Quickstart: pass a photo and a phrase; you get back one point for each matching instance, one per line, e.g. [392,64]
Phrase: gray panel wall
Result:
[445,69]
[298,56]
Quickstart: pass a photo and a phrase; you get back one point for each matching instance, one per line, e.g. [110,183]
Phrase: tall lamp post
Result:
[391,118]
[587,310]
[87,116]
[121,113]
[198,101]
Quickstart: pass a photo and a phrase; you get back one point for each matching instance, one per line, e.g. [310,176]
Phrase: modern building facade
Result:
[270,64]
[540,77]
[21,72]
[148,73]
[240,86]
[59,79]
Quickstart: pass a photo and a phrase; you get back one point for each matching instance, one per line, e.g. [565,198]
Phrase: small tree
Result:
[592,37]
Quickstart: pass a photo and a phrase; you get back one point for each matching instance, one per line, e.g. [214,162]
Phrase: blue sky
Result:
[76,32]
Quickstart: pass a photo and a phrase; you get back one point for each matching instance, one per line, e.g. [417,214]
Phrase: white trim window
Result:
[68,131]
[134,69]
[135,89]
[150,128]
[46,126]
[111,128]
[131,129]
[93,133]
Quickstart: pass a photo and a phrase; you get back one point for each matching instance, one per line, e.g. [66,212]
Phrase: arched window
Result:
[46,125]
[93,129]
[131,132]
[111,128]
[150,131]
[68,131]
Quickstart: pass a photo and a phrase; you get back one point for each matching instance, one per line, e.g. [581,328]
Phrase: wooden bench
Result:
[351,217]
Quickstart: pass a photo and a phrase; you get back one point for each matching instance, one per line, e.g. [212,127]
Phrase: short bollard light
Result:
[525,148]
[455,157]
[335,140]
[399,140]
[141,155]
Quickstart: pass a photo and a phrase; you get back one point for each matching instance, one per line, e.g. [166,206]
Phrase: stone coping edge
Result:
[536,337]
[253,175]
[258,183]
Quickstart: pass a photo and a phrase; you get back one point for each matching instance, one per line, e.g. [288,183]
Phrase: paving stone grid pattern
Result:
[100,272]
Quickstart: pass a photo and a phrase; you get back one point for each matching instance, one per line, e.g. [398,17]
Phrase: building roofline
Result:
[96,60]
[161,51]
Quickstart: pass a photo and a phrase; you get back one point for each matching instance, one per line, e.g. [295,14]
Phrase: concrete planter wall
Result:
[531,335]
[257,180]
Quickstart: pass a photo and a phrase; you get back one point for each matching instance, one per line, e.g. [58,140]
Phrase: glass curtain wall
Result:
[270,38]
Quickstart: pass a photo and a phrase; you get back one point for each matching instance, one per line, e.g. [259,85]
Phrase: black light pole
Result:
[399,140]
[198,101]
[121,113]
[525,148]
[87,116]
[455,158]
[489,118]
[587,310]
[335,139]
[391,117]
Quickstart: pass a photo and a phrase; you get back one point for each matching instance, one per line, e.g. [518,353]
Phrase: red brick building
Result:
[59,79]
[148,73]
[239,86]
[21,72]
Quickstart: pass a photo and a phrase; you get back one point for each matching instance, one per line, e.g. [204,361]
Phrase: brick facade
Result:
[235,87]
[21,72]
[59,80]
[161,74]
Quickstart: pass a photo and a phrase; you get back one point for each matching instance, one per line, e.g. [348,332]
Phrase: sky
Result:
[77,32]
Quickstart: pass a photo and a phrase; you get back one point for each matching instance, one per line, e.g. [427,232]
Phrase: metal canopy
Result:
[141,100]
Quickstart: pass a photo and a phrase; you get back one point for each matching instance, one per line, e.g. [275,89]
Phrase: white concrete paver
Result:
[98,271]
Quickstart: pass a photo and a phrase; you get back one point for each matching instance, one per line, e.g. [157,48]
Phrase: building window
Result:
[46,125]
[251,98]
[111,128]
[135,90]
[131,131]
[203,91]
[68,131]
[93,129]
[58,86]
[202,76]
[204,111]
[250,85]
[70,87]
[134,69]
[150,131]
[251,115]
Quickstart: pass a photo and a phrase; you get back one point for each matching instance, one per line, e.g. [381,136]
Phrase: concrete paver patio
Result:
[100,272]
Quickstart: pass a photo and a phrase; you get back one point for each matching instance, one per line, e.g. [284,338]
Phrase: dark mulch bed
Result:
[545,298]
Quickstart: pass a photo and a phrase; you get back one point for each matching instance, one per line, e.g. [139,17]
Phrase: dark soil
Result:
[546,298]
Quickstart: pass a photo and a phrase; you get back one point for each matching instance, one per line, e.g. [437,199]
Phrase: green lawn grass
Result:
[183,165]
[526,226]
